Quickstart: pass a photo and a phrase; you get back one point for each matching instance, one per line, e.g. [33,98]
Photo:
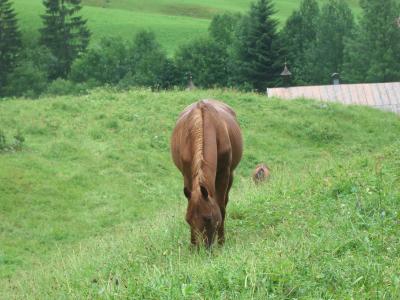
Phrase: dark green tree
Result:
[299,33]
[30,75]
[258,54]
[325,55]
[222,32]
[373,55]
[104,63]
[10,41]
[148,64]
[170,74]
[65,33]
[222,28]
[205,59]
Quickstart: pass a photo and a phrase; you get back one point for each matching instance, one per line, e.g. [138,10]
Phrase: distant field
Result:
[92,207]
[174,22]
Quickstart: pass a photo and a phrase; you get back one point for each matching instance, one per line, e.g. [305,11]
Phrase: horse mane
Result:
[197,134]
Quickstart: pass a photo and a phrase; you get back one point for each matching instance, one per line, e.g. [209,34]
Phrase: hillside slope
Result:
[93,207]
[174,22]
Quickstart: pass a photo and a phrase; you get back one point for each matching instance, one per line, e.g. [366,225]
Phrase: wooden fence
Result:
[384,96]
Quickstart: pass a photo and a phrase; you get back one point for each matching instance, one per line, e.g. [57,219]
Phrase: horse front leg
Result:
[223,185]
[221,229]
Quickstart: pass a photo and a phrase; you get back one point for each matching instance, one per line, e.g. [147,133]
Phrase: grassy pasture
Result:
[174,22]
[92,207]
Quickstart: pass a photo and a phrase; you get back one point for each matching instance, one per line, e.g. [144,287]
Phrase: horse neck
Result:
[202,174]
[197,133]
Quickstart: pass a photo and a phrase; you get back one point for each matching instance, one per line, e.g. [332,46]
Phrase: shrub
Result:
[149,65]
[60,86]
[26,80]
[206,60]
[222,28]
[66,87]
[169,76]
[30,77]
[106,62]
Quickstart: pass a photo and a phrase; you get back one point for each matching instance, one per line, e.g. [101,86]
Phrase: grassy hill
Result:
[174,22]
[92,207]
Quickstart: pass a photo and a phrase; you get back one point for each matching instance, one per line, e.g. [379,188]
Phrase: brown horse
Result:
[206,147]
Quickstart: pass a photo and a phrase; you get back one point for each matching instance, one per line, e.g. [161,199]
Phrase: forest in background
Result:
[245,51]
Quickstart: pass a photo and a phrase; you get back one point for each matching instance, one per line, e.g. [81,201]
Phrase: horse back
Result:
[221,133]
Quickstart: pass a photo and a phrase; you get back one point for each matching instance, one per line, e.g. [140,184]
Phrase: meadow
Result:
[92,205]
[174,22]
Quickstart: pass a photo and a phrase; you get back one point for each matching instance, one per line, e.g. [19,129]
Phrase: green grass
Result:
[92,207]
[174,22]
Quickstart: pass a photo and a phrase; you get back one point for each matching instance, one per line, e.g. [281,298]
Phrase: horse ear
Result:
[204,192]
[186,192]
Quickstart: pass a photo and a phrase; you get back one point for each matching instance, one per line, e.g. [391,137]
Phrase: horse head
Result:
[203,216]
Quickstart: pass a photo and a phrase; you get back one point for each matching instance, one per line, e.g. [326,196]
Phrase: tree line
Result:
[243,51]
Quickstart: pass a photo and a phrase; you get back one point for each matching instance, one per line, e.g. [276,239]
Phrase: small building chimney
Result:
[190,85]
[335,78]
[286,74]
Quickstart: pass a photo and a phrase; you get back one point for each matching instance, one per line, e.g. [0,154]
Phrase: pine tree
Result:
[64,33]
[10,41]
[374,54]
[258,52]
[299,33]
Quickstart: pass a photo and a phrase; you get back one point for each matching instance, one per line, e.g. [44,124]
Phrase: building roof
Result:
[286,71]
[384,96]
